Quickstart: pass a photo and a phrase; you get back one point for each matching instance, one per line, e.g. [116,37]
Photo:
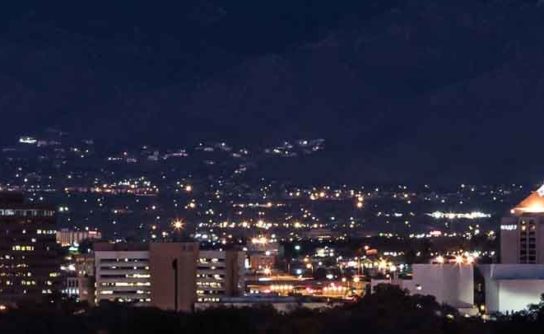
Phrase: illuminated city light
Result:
[177,224]
[454,215]
[259,241]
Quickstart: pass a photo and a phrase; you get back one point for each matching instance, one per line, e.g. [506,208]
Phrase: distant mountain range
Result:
[418,90]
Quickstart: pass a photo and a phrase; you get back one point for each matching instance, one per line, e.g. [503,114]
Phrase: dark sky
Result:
[415,91]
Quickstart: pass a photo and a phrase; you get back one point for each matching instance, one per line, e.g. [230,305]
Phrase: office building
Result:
[166,275]
[173,275]
[29,256]
[219,274]
[122,273]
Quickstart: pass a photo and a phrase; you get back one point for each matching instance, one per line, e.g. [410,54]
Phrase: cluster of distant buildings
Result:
[508,286]
[37,261]
[169,275]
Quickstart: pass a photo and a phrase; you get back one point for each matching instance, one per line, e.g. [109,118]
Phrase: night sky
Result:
[412,91]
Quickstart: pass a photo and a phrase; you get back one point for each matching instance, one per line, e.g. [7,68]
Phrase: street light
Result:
[177,224]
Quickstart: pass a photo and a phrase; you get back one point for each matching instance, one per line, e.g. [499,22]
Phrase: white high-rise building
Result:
[522,233]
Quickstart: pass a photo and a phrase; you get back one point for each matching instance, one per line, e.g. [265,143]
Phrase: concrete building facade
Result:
[122,273]
[168,275]
[449,283]
[173,275]
[512,287]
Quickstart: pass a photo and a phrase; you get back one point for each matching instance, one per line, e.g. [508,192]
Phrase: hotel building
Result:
[518,280]
[522,233]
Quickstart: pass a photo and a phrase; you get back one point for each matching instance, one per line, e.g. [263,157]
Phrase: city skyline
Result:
[297,166]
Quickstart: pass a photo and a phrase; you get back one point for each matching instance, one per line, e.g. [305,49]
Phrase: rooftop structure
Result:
[533,204]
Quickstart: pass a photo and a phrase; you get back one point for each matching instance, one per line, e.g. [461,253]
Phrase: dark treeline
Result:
[388,310]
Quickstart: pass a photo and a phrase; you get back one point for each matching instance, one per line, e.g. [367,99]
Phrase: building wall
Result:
[235,282]
[491,288]
[522,239]
[84,265]
[451,284]
[86,289]
[71,287]
[511,287]
[123,276]
[509,240]
[162,256]
[516,295]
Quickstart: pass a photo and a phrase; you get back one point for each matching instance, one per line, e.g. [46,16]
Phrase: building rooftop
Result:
[516,271]
[534,203]
[104,246]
